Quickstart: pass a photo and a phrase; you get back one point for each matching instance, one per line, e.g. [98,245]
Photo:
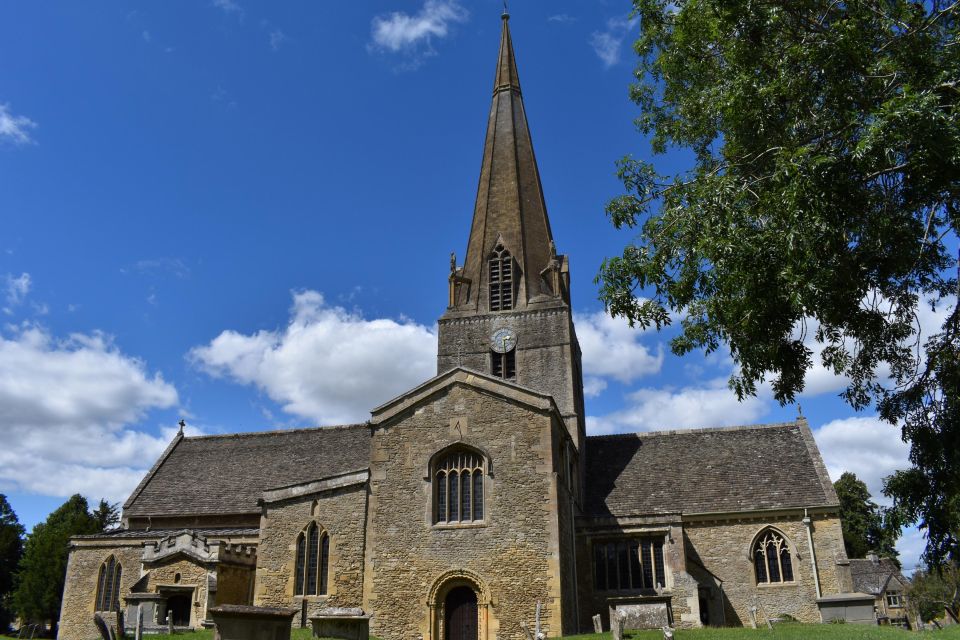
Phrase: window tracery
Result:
[458,487]
[627,565]
[108,585]
[312,561]
[771,558]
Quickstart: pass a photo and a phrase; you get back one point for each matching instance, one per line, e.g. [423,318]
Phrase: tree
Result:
[107,515]
[11,548]
[862,521]
[935,594]
[43,567]
[819,211]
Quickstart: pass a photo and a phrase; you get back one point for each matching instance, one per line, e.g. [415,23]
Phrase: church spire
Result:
[510,216]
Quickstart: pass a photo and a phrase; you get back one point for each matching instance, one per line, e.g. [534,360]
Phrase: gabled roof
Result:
[750,468]
[219,475]
[469,377]
[872,577]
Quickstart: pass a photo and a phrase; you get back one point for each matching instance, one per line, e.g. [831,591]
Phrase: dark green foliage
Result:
[862,521]
[823,203]
[107,515]
[11,548]
[935,594]
[43,567]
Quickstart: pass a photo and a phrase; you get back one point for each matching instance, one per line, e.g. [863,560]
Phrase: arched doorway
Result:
[460,619]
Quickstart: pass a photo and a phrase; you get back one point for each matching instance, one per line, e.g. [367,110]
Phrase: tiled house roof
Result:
[748,468]
[872,577]
[215,475]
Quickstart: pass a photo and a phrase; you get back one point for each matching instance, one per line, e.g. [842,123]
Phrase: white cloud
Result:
[607,44]
[328,365]
[398,32]
[277,38]
[866,446]
[18,288]
[229,7]
[612,349]
[911,544]
[561,17]
[146,36]
[14,128]
[710,405]
[66,407]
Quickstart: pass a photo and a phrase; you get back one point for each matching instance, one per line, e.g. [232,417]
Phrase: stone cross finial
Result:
[182,423]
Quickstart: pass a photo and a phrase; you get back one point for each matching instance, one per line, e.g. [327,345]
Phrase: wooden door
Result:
[461,614]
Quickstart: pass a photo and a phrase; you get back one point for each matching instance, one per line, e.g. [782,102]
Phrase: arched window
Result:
[312,561]
[501,279]
[108,585]
[458,487]
[771,558]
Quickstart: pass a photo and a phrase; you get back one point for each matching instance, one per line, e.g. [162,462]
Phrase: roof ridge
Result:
[273,432]
[668,432]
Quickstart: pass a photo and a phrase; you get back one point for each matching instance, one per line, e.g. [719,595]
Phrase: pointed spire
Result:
[507,77]
[510,208]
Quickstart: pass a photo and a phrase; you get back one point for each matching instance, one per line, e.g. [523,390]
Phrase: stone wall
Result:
[723,548]
[339,512]
[80,591]
[512,556]
[547,354]
[179,572]
[679,584]
[234,585]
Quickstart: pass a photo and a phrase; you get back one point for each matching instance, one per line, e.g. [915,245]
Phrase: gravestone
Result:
[597,624]
[244,622]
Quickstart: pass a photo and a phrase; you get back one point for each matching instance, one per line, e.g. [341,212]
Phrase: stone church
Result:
[470,503]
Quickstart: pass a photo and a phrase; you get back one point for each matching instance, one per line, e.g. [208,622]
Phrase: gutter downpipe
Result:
[808,523]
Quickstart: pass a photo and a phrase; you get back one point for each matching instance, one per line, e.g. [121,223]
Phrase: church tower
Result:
[508,311]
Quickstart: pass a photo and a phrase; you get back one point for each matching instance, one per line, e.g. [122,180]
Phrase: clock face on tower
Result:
[503,340]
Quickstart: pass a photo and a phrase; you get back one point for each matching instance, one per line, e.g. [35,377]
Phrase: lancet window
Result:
[312,561]
[627,565]
[771,558]
[458,487]
[108,585]
[502,281]
[504,364]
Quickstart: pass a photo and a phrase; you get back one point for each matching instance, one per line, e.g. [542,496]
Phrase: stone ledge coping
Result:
[321,485]
[846,597]
[242,610]
[340,612]
[337,617]
[138,596]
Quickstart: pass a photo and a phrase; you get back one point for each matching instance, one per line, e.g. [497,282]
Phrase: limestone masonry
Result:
[467,505]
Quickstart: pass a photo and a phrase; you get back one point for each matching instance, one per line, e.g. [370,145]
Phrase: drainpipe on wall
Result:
[808,523]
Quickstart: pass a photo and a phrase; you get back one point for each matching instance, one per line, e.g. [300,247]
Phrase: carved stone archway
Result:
[437,596]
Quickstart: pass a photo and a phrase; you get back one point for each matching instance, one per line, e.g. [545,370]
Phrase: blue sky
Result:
[241,214]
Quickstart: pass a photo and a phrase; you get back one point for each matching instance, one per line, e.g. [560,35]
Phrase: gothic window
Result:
[771,558]
[312,561]
[458,487]
[501,279]
[628,565]
[108,586]
[504,364]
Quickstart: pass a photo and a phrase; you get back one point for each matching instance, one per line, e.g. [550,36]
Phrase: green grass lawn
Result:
[782,632]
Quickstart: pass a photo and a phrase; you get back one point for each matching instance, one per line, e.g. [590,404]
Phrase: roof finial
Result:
[182,424]
[506,12]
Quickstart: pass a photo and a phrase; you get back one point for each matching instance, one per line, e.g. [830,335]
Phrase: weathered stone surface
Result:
[80,590]
[514,553]
[650,615]
[241,622]
[340,512]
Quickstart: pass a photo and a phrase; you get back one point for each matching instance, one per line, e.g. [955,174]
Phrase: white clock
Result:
[503,340]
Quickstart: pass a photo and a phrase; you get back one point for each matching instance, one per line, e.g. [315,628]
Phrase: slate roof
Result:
[723,470]
[227,532]
[217,475]
[872,577]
